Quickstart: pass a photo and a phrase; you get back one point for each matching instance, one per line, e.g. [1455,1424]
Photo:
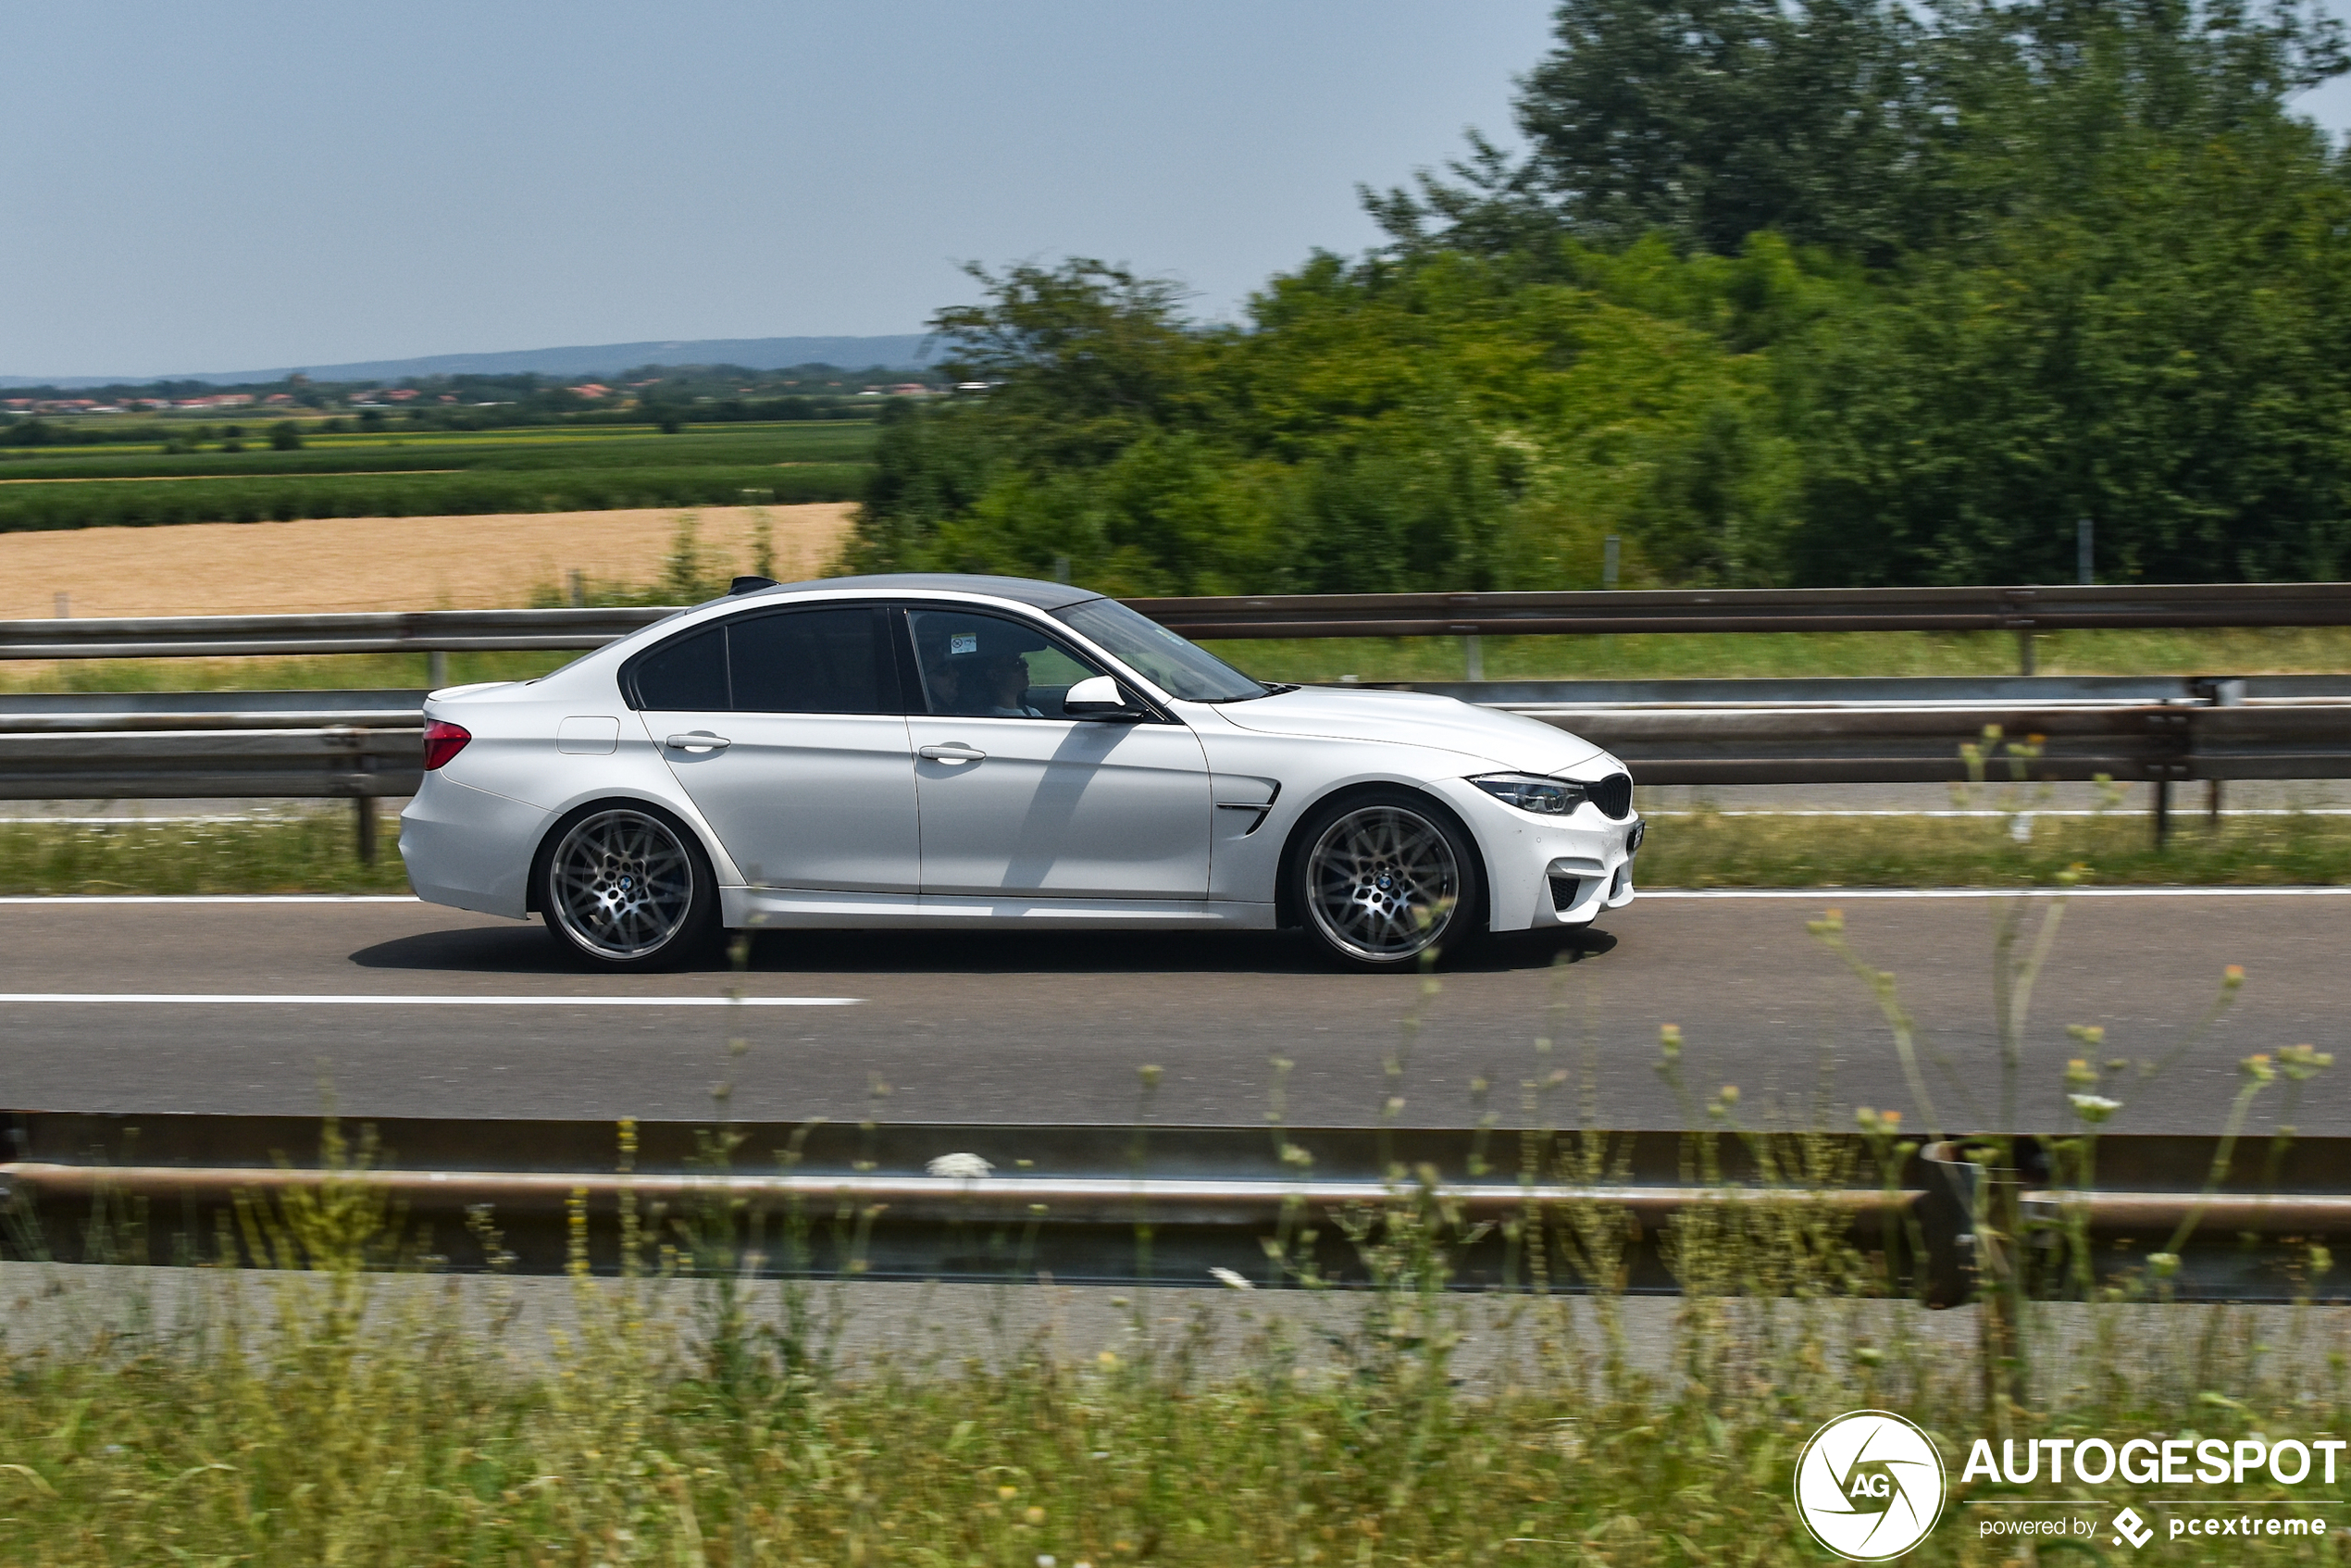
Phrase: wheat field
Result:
[358,564]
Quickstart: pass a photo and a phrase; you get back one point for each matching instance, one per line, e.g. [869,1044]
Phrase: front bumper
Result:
[1549,872]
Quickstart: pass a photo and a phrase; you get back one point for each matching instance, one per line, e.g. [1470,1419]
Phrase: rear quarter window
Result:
[686,674]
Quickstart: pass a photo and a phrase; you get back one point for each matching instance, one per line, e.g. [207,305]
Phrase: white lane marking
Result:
[1830,895]
[2120,816]
[190,998]
[210,898]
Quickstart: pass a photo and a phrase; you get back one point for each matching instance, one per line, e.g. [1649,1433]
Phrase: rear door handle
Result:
[954,751]
[698,741]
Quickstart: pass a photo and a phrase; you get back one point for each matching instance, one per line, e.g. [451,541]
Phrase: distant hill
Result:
[598,359]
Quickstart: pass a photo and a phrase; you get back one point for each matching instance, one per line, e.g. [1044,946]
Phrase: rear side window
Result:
[686,675]
[831,661]
[812,662]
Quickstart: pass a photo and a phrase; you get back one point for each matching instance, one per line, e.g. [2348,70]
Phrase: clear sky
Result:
[215,188]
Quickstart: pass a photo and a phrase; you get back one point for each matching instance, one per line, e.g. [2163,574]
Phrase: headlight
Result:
[1544,797]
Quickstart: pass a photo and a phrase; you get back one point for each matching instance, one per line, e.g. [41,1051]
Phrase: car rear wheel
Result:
[1383,879]
[627,888]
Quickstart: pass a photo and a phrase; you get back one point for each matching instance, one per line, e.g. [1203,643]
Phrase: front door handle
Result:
[954,751]
[698,741]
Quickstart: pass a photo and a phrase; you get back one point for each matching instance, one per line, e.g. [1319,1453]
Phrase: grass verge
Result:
[2321,651]
[313,851]
[1708,848]
[2224,651]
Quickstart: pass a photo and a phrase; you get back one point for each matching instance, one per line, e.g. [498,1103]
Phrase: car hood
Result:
[1416,718]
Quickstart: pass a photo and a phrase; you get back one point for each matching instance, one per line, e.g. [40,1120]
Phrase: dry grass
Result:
[357,563]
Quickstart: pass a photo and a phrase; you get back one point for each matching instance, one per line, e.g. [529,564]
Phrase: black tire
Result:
[1381,877]
[626,887]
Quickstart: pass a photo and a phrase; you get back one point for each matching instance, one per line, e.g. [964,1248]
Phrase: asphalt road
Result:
[1052,1026]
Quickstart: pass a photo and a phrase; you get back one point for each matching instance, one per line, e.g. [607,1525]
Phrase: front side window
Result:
[822,661]
[978,666]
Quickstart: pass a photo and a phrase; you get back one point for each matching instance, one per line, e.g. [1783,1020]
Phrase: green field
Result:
[434,475]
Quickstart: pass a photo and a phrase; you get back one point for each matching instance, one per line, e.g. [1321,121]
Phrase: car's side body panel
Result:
[1058,807]
[820,800]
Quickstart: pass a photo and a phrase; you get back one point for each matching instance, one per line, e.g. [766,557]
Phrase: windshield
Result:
[1179,668]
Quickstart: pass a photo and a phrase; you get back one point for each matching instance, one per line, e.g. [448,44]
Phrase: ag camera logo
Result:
[1870,1485]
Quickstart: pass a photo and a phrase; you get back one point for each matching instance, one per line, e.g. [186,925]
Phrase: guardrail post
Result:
[2220,693]
[437,668]
[1473,657]
[364,810]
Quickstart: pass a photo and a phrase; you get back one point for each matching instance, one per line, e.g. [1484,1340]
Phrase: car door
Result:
[788,729]
[1017,797]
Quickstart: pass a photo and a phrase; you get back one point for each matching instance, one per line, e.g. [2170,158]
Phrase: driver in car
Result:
[1000,681]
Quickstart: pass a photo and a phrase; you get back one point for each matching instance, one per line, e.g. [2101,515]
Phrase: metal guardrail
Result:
[2024,610]
[368,744]
[1068,1200]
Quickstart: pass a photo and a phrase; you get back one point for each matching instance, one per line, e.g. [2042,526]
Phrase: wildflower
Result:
[2163,1264]
[1108,1361]
[2078,1071]
[2256,1067]
[2093,1108]
[960,1167]
[1893,1119]
[1007,1493]
[1227,1277]
[1037,1516]
[2232,976]
[1668,1040]
[2302,1062]
[1730,1094]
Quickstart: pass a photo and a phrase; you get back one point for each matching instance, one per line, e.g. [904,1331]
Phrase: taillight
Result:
[443,741]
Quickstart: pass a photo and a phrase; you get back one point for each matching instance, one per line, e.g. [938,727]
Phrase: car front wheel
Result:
[1382,879]
[626,887]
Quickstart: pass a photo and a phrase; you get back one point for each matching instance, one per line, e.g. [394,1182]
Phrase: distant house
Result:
[589,389]
[278,397]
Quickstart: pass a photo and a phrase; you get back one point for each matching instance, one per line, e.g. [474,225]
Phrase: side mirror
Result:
[1097,697]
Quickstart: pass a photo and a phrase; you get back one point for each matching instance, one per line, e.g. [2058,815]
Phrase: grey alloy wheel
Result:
[622,886]
[1381,884]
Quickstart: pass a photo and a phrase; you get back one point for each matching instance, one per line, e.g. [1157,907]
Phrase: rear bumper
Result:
[459,846]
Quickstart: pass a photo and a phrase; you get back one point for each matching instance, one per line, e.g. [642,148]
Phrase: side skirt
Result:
[740,907]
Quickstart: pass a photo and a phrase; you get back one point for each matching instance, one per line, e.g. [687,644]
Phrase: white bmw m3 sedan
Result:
[975,751]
